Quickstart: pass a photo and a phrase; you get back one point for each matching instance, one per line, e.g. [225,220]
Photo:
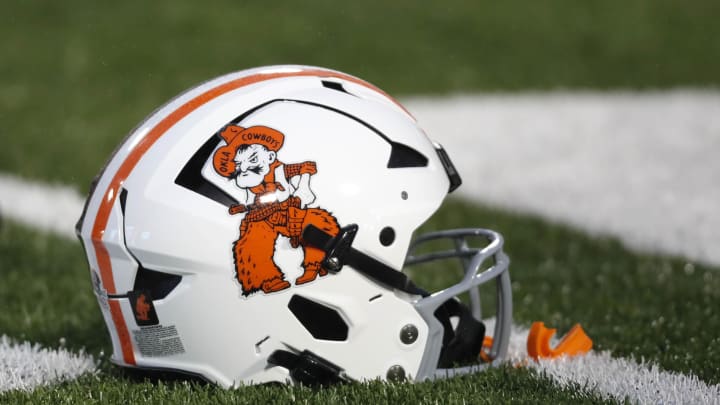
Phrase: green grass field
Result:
[75,76]
[655,308]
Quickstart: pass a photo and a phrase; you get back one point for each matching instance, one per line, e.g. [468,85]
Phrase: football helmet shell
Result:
[256,227]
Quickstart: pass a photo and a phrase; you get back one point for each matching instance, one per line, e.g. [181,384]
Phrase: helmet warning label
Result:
[158,341]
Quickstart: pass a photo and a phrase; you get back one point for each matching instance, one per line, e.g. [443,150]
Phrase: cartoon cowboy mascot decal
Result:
[273,206]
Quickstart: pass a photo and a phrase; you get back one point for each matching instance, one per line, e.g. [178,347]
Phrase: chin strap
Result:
[462,345]
[339,252]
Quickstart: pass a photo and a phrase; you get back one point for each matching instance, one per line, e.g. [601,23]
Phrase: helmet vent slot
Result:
[404,156]
[323,322]
[334,85]
[158,283]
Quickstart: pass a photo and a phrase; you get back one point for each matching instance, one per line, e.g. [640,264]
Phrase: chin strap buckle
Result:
[308,368]
[339,252]
[336,248]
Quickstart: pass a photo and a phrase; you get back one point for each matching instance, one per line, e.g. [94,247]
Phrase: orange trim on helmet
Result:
[122,331]
[103,213]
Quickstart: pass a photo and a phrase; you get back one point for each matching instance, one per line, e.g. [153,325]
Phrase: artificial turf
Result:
[651,307]
[77,75]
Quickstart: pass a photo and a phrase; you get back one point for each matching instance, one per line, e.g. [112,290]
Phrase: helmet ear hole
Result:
[387,236]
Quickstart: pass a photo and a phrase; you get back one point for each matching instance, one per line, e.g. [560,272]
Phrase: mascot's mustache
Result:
[255,169]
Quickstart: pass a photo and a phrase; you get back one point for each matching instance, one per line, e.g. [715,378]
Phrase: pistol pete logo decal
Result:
[273,207]
[143,308]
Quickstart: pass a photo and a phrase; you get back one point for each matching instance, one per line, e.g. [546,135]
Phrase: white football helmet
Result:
[258,227]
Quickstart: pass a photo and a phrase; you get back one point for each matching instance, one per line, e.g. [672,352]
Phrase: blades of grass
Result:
[500,385]
[76,76]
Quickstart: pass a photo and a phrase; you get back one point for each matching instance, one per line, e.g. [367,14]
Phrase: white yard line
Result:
[618,378]
[25,366]
[641,167]
[615,378]
[52,208]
